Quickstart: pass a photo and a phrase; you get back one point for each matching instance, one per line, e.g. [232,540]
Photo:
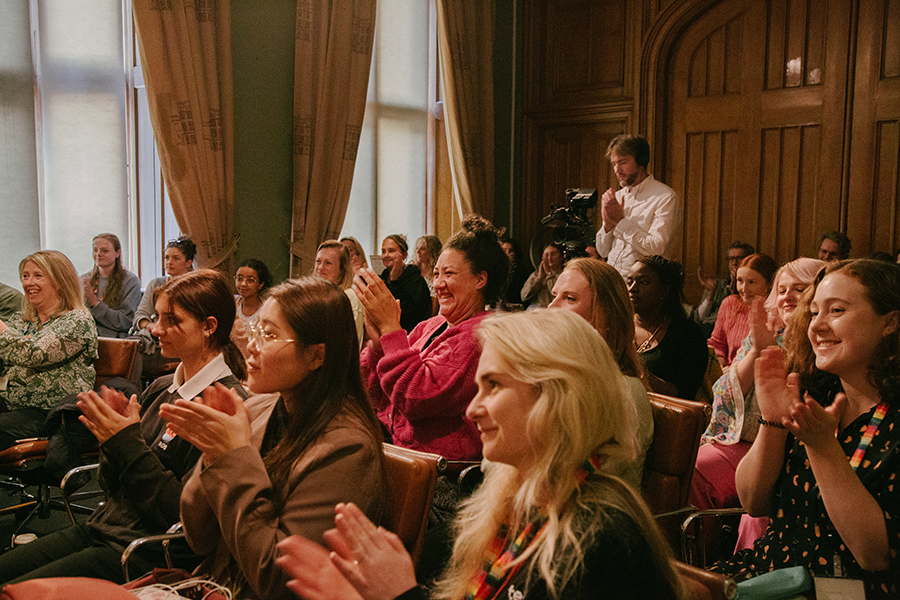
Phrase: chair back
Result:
[677,427]
[115,358]
[411,477]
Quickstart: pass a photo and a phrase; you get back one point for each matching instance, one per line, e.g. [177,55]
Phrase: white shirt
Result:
[652,214]
[214,370]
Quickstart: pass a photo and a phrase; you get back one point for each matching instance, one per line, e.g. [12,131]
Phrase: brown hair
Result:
[611,312]
[207,293]
[318,312]
[112,295]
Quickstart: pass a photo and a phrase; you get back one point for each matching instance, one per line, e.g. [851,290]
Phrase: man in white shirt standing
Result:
[641,218]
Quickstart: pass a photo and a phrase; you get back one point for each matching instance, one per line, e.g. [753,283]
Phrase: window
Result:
[390,184]
[64,97]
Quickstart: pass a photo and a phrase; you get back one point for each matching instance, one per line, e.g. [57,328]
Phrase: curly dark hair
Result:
[479,242]
[185,245]
[671,275]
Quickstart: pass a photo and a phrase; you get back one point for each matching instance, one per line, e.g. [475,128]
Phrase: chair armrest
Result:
[698,536]
[174,533]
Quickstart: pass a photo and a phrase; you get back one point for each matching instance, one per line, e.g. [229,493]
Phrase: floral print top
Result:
[46,362]
[800,532]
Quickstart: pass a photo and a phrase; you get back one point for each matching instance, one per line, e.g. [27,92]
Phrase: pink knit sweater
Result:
[732,326]
[421,395]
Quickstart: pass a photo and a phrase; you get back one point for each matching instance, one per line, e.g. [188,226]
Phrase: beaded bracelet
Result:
[775,424]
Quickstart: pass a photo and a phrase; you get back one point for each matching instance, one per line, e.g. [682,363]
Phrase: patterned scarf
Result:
[502,551]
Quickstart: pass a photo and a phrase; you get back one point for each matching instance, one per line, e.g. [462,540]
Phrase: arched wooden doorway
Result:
[756,95]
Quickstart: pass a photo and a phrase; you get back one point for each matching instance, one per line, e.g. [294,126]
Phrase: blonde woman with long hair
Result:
[48,350]
[549,521]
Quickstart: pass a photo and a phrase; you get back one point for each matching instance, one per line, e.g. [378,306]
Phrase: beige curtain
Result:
[465,47]
[332,56]
[185,48]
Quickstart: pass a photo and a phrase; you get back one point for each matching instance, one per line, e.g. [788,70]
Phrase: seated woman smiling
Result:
[550,520]
[277,465]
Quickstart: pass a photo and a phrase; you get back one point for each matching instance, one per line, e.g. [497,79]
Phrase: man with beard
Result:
[641,218]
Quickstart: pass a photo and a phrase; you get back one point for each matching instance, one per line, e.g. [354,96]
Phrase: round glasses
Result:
[262,337]
[241,279]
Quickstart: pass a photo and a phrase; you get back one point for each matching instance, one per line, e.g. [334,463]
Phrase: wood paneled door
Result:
[755,118]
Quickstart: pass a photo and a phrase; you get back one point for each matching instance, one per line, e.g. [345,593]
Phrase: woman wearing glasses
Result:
[251,282]
[142,462]
[277,465]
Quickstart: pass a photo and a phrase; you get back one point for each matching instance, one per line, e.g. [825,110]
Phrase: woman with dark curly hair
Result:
[421,384]
[823,467]
[670,344]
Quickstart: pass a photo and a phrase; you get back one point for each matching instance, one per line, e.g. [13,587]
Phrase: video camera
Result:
[572,225]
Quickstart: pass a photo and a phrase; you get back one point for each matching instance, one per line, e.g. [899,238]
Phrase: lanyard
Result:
[857,457]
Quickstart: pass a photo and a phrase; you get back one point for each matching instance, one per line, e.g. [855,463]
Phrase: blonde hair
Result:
[583,408]
[802,269]
[346,281]
[56,267]
[611,312]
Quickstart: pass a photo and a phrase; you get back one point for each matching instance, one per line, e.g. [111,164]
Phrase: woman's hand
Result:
[90,298]
[763,337]
[3,326]
[215,423]
[382,309]
[776,393]
[107,413]
[312,574]
[371,558]
[814,425]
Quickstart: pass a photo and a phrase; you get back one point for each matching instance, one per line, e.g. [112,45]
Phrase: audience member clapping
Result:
[142,462]
[277,466]
[404,282]
[47,351]
[111,292]
[550,519]
[734,424]
[824,467]
[536,289]
[421,384]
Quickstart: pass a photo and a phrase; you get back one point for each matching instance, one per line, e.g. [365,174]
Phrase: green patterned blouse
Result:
[47,362]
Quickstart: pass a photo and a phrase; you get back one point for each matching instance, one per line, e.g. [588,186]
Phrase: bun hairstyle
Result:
[185,245]
[207,293]
[479,242]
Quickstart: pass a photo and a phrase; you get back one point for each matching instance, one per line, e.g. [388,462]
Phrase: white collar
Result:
[633,190]
[213,371]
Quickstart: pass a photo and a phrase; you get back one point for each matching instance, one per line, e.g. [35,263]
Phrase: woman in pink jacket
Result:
[421,384]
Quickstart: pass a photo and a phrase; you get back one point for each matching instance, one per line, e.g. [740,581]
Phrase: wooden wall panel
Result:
[885,212]
[873,223]
[581,51]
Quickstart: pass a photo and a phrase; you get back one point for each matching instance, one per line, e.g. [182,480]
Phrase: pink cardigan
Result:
[421,395]
[732,326]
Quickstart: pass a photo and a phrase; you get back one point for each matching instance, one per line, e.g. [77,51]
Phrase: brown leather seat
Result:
[411,479]
[703,585]
[677,427]
[115,358]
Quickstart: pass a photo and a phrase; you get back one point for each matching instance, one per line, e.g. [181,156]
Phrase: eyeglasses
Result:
[263,337]
[241,279]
